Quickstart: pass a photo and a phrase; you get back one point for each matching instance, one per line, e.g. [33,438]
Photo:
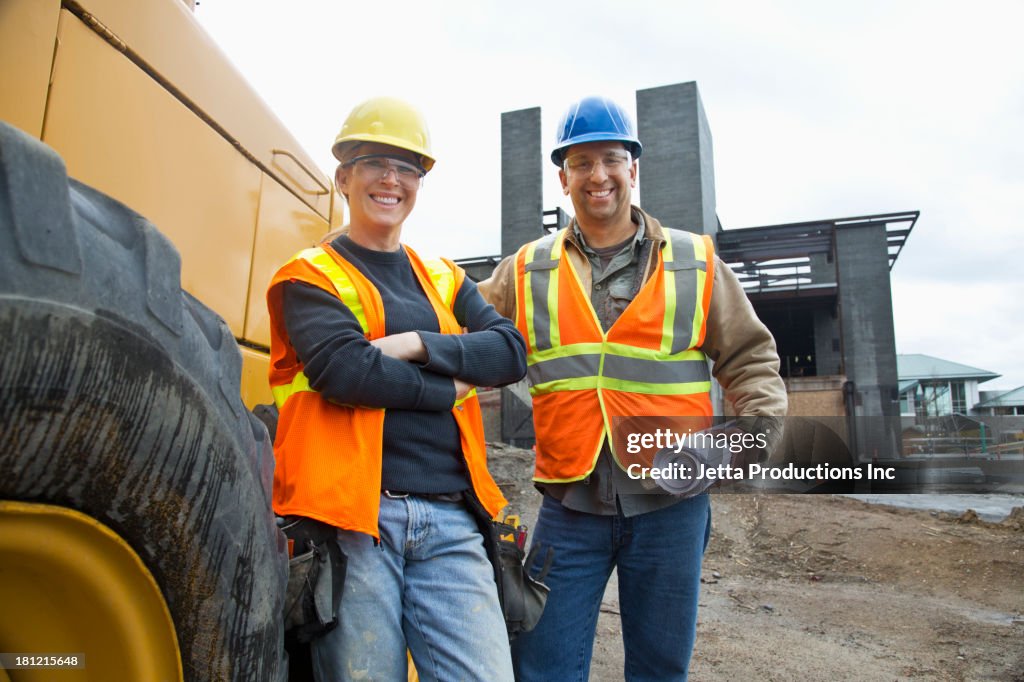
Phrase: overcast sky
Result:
[817,110]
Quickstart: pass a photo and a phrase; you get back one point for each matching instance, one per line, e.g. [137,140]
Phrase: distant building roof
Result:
[907,385]
[916,366]
[1014,398]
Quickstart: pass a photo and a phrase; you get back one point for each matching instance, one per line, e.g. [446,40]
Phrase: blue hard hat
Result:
[595,119]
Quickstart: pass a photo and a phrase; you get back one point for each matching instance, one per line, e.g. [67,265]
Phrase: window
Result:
[959,395]
[933,399]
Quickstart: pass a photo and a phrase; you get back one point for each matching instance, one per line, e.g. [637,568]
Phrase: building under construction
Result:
[822,287]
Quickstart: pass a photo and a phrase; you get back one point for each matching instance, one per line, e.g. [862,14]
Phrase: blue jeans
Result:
[428,587]
[658,557]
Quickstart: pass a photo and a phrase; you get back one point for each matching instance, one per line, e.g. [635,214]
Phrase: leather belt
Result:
[458,496]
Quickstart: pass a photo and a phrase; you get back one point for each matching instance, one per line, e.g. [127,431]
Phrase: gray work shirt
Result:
[617,275]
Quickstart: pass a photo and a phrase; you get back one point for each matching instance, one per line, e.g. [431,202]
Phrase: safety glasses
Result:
[377,166]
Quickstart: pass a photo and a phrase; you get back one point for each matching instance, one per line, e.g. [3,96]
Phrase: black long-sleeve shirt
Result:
[422,451]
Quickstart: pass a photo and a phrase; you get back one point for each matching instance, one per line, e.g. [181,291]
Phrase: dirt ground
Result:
[822,587]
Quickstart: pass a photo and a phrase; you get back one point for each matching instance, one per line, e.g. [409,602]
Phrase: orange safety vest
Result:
[328,456]
[583,379]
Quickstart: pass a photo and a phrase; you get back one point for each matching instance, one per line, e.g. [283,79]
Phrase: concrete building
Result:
[1001,403]
[942,409]
[822,287]
[933,387]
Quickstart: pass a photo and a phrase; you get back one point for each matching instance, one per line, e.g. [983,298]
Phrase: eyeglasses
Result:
[613,163]
[377,167]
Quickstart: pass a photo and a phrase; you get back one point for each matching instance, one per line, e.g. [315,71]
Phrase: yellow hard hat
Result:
[389,121]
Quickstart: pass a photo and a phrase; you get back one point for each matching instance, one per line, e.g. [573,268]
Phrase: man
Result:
[620,315]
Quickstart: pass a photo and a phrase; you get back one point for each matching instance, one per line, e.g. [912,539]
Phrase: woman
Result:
[380,433]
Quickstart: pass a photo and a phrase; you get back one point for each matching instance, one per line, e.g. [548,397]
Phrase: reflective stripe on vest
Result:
[440,274]
[672,369]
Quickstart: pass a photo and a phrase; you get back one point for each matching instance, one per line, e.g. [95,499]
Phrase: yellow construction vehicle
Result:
[136,537]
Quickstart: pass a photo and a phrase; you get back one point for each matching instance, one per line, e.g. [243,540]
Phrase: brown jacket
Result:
[742,349]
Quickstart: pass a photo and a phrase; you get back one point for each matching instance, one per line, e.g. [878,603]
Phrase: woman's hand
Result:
[406,346]
[462,389]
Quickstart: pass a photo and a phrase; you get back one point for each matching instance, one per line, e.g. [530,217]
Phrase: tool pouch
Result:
[316,577]
[522,596]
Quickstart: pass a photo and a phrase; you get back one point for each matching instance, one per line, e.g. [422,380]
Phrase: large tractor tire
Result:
[119,406]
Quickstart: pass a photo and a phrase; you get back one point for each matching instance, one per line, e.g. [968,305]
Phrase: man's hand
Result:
[737,457]
[406,346]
